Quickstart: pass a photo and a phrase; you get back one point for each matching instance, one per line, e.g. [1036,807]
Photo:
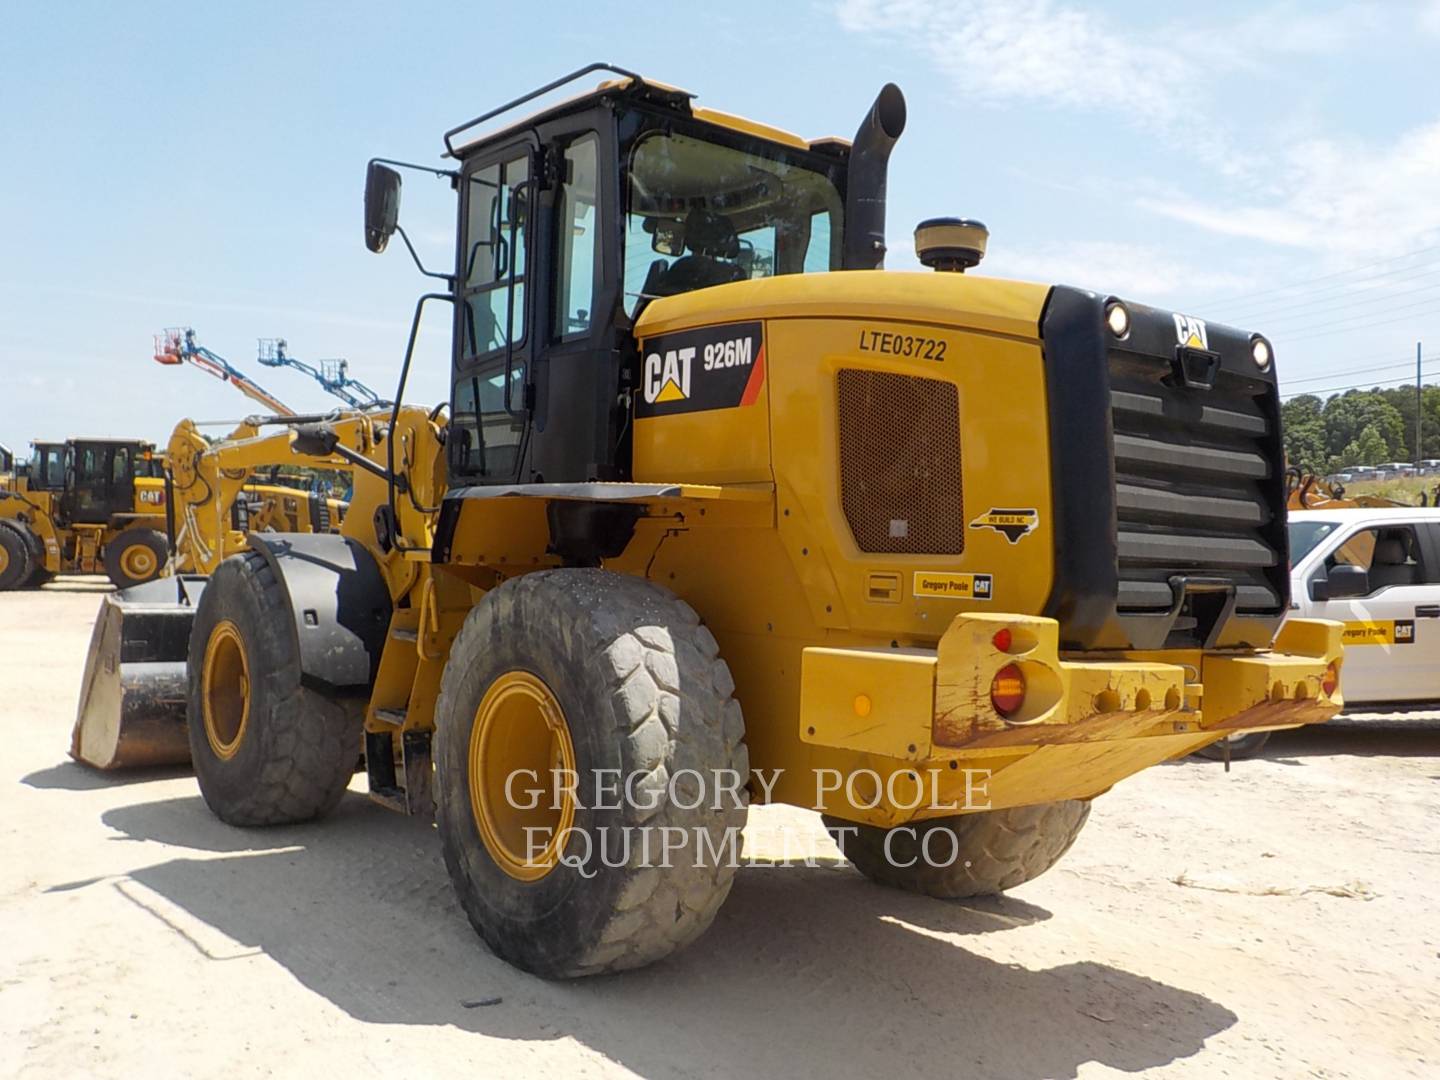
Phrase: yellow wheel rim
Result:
[521,754]
[138,561]
[225,690]
[4,559]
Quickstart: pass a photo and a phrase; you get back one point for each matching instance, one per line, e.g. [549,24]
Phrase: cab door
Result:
[1392,634]
[99,482]
[494,335]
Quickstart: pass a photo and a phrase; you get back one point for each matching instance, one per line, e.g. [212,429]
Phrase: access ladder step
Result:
[393,717]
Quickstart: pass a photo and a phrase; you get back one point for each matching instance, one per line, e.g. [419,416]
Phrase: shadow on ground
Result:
[1392,735]
[72,776]
[807,971]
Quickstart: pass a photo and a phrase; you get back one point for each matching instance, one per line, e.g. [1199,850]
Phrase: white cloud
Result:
[1035,50]
[1428,16]
[1347,198]
[1341,198]
[1126,269]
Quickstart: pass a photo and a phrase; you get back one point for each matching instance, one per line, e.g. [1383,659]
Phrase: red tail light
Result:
[1330,681]
[1002,639]
[1007,690]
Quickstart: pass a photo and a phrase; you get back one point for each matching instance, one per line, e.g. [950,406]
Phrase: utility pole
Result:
[1418,453]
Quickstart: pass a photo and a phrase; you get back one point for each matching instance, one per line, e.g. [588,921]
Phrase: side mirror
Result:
[382,205]
[1343,582]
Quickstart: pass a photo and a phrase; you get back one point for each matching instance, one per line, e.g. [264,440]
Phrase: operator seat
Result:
[1390,564]
[713,246]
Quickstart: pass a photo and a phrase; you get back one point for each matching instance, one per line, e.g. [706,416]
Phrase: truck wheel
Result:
[1242,746]
[266,750]
[135,556]
[967,855]
[613,680]
[14,558]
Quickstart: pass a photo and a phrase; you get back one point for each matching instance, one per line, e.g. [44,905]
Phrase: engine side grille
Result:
[1192,471]
[900,463]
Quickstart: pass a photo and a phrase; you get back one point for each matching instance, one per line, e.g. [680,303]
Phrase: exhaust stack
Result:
[865,183]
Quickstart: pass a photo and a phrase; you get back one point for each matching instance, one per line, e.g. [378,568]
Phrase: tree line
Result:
[1360,427]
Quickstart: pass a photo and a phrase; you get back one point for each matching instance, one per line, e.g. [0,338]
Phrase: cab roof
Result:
[630,83]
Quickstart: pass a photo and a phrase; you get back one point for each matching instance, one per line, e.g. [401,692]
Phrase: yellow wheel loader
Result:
[132,710]
[84,506]
[725,513]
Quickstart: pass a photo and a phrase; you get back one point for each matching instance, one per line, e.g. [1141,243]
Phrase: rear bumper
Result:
[1084,724]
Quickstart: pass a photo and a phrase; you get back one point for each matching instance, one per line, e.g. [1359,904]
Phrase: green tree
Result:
[1347,416]
[1369,449]
[1304,426]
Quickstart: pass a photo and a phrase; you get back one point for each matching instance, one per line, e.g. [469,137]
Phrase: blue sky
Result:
[196,164]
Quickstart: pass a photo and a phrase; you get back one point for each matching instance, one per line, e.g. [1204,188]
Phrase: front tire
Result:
[952,858]
[266,750]
[614,677]
[135,556]
[15,564]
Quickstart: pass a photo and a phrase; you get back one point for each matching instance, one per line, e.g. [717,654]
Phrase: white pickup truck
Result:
[1377,570]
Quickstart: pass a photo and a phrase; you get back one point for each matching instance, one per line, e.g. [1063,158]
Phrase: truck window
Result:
[1390,554]
[1305,535]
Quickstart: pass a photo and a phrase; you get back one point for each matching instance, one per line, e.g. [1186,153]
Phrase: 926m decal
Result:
[717,367]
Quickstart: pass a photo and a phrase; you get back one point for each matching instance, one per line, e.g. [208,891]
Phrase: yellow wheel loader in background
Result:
[133,701]
[725,513]
[84,506]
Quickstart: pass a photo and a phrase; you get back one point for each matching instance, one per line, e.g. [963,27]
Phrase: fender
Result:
[340,605]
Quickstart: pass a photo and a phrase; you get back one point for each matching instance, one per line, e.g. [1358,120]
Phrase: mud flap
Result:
[132,696]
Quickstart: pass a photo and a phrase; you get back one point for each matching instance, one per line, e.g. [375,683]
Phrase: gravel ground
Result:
[1278,920]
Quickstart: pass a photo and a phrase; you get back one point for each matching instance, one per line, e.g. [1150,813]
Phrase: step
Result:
[393,717]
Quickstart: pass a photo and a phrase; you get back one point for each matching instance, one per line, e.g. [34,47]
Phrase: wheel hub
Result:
[137,561]
[520,760]
[225,690]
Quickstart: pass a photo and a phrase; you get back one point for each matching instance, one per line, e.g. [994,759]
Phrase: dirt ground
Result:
[1281,920]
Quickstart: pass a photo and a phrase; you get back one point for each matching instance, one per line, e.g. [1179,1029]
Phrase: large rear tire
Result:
[266,750]
[967,855]
[15,566]
[613,677]
[136,556]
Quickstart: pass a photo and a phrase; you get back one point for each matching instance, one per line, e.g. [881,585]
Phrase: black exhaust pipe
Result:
[865,181]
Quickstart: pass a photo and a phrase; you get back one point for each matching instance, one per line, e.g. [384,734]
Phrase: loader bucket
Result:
[132,698]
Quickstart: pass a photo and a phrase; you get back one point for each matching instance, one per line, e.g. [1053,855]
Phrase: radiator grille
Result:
[1192,488]
[900,463]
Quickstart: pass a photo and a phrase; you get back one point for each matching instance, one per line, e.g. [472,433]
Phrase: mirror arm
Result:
[415,258]
[400,393]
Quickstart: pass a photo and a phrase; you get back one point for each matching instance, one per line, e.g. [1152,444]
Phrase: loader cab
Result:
[47,467]
[99,479]
[572,221]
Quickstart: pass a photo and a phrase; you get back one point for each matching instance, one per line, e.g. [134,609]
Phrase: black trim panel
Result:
[340,604]
[1168,485]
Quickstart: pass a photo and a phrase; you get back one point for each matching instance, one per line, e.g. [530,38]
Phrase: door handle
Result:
[1427,611]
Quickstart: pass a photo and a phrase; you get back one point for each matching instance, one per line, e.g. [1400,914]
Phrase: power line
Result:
[1339,300]
[1332,329]
[1352,371]
[1401,380]
[1239,297]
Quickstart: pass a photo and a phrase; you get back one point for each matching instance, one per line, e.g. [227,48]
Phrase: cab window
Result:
[1390,555]
[579,239]
[495,235]
[700,213]
[488,423]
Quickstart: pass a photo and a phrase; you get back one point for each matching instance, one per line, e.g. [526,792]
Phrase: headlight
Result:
[1260,353]
[1117,317]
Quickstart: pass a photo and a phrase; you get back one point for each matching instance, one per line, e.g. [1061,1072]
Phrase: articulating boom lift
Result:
[333,375]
